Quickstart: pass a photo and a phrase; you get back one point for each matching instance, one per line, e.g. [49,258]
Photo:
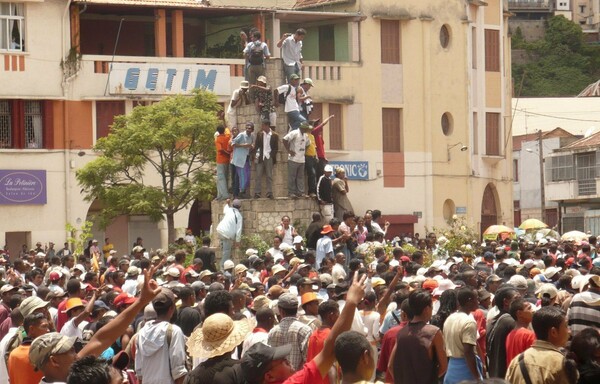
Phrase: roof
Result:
[591,90]
[586,142]
[198,4]
[316,3]
[556,132]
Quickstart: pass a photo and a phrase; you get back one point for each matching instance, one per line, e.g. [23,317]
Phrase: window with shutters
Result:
[390,42]
[391,119]
[105,115]
[492,134]
[335,127]
[492,50]
[25,124]
[12,23]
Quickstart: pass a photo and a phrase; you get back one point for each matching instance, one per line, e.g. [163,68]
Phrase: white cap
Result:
[228,264]
[298,240]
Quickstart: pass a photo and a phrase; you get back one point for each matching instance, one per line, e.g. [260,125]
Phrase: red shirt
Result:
[517,341]
[387,345]
[190,268]
[481,329]
[316,341]
[309,374]
[317,132]
[61,317]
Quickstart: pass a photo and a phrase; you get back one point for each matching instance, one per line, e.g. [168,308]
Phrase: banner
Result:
[22,187]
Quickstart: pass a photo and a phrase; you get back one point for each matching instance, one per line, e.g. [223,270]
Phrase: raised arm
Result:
[325,359]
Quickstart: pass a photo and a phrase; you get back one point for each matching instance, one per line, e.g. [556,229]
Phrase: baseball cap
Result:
[99,304]
[133,271]
[30,304]
[255,362]
[174,272]
[123,299]
[54,276]
[326,278]
[298,240]
[275,292]
[308,81]
[205,273]
[44,346]
[251,251]
[288,301]
[328,168]
[293,76]
[56,292]
[164,299]
[236,203]
[262,79]
[228,264]
[40,254]
[493,278]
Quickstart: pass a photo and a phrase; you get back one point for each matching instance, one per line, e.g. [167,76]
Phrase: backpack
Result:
[256,56]
[282,96]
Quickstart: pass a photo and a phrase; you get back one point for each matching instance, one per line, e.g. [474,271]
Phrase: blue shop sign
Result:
[355,170]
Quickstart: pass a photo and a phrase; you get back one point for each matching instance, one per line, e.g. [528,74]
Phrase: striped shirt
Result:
[584,311]
[291,331]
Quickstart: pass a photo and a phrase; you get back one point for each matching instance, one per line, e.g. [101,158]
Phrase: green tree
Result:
[171,142]
[561,64]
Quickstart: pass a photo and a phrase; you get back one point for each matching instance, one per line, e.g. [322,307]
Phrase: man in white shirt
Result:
[230,228]
[238,97]
[338,272]
[296,142]
[324,244]
[291,52]
[291,107]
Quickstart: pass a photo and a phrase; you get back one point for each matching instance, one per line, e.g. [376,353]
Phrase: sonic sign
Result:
[167,79]
[355,170]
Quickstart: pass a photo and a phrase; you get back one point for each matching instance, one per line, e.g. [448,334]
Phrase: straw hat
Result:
[219,335]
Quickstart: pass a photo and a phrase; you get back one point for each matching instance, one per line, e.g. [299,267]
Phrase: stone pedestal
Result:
[261,216]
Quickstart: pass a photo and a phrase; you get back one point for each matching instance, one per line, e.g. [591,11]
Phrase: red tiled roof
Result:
[556,132]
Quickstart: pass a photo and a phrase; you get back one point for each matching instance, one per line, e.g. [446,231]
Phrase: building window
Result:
[447,124]
[445,36]
[475,134]
[515,170]
[335,127]
[22,124]
[582,8]
[492,134]
[560,168]
[474,48]
[390,42]
[391,119]
[492,50]
[105,115]
[12,22]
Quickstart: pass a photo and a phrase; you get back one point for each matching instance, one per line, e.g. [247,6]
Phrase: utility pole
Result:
[542,184]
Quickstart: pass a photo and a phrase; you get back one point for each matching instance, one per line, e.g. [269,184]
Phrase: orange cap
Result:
[308,297]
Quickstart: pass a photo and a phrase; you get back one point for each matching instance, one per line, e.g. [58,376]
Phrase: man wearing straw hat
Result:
[215,342]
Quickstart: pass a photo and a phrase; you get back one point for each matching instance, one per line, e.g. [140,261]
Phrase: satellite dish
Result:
[590,131]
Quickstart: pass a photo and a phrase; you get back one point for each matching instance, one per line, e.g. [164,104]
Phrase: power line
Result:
[555,117]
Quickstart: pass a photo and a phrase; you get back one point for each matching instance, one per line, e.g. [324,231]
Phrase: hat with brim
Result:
[277,268]
[327,229]
[72,303]
[218,335]
[30,304]
[44,346]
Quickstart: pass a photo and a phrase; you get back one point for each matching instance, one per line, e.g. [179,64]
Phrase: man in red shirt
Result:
[520,338]
[196,266]
[317,134]
[73,290]
[329,311]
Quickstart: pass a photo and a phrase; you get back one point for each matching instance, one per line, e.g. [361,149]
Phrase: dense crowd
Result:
[338,303]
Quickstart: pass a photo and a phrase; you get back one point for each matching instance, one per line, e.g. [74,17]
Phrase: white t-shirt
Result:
[234,97]
[324,246]
[338,273]
[291,101]
[69,329]
[3,345]
[297,142]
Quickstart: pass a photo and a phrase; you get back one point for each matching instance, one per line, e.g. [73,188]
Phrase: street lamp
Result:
[449,147]
[540,152]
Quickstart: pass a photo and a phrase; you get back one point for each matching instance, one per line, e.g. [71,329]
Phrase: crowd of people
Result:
[317,307]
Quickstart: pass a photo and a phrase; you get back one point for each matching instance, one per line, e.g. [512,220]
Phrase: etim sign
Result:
[167,79]
[22,187]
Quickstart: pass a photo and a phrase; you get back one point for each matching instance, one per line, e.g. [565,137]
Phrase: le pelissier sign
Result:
[22,187]
[167,79]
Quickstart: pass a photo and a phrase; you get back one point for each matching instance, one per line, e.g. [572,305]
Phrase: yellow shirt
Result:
[311,150]
[106,250]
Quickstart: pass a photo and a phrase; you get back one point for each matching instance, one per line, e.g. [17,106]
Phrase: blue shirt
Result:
[241,154]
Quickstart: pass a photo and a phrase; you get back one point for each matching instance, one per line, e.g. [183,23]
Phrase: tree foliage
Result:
[560,64]
[156,160]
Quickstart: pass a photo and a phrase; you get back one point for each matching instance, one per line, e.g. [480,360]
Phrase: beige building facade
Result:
[421,91]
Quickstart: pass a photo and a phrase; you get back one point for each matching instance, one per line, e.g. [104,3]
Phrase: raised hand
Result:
[356,292]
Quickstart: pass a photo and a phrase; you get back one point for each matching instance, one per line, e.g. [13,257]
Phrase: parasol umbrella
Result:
[494,230]
[532,224]
[546,233]
[574,236]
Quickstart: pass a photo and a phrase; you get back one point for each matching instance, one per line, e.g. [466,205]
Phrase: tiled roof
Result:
[316,3]
[556,132]
[586,142]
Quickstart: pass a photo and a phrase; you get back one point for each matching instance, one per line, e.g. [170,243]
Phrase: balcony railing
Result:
[534,5]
